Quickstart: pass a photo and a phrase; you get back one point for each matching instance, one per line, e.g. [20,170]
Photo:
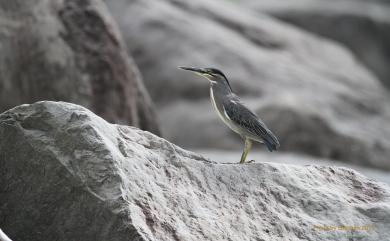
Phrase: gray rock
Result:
[69,175]
[313,92]
[3,236]
[71,51]
[362,26]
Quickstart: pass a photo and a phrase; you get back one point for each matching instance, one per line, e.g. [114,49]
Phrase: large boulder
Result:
[72,51]
[312,92]
[68,175]
[362,26]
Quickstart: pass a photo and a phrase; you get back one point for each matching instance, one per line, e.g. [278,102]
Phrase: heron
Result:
[234,113]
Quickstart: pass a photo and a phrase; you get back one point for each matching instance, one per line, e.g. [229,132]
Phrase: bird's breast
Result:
[221,111]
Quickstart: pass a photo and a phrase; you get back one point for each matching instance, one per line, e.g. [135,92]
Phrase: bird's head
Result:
[215,76]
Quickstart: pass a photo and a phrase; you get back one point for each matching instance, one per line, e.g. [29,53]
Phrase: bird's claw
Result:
[251,161]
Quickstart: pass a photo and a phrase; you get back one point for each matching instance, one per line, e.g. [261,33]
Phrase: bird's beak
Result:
[196,70]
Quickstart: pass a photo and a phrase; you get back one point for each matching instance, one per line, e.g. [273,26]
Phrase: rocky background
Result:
[71,51]
[316,71]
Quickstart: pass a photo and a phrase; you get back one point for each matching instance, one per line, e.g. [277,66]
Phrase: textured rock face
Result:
[72,51]
[69,175]
[312,92]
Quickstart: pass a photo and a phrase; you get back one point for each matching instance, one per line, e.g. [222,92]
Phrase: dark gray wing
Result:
[245,118]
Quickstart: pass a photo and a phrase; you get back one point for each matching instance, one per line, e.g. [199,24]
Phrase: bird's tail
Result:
[271,141]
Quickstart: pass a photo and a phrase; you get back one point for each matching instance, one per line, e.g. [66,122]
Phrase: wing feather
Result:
[246,119]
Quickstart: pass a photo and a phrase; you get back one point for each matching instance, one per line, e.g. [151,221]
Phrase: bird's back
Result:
[242,120]
[252,126]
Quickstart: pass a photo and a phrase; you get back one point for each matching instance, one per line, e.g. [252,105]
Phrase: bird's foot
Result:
[251,161]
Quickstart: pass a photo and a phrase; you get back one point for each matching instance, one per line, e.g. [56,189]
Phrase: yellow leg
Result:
[247,148]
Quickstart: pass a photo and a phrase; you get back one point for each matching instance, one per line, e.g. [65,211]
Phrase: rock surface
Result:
[3,236]
[362,26]
[72,51]
[312,92]
[69,175]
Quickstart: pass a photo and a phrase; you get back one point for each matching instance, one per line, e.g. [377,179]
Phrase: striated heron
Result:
[234,113]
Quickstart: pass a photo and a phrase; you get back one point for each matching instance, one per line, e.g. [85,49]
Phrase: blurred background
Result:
[316,71]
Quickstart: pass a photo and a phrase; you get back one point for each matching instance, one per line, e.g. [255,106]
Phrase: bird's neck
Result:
[217,94]
[220,89]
